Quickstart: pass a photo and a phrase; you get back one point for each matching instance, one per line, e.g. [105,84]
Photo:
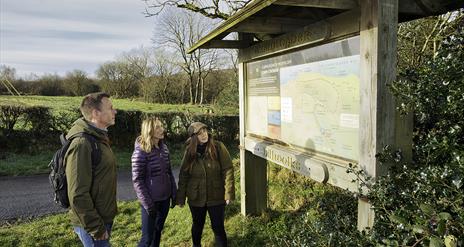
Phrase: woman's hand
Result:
[105,236]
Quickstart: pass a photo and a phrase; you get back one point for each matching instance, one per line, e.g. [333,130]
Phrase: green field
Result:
[58,103]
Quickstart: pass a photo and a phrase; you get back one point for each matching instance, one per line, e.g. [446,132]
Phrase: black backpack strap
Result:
[96,152]
[63,139]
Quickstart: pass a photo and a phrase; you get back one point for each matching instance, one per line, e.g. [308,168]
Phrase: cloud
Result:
[59,36]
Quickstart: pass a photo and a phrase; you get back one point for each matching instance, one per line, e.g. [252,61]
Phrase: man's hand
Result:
[105,236]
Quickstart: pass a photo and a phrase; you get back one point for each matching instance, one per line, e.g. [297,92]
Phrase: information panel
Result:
[308,98]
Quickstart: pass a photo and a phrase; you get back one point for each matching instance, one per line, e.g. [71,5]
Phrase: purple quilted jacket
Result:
[152,175]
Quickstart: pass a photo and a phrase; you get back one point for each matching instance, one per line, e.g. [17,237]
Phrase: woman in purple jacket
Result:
[153,180]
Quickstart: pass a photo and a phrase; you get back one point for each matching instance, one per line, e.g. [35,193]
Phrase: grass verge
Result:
[14,164]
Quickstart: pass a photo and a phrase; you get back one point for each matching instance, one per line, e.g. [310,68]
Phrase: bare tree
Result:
[421,38]
[7,72]
[204,68]
[77,83]
[123,76]
[7,77]
[162,86]
[214,9]
[139,61]
[179,31]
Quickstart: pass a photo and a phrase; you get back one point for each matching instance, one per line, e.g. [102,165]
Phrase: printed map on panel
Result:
[320,106]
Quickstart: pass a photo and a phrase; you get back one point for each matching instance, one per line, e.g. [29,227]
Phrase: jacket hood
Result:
[81,125]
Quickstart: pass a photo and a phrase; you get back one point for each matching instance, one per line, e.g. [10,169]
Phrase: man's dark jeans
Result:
[152,226]
[216,215]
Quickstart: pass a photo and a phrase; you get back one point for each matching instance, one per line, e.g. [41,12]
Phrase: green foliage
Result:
[9,116]
[224,128]
[422,203]
[20,124]
[229,96]
[39,121]
[311,214]
[420,39]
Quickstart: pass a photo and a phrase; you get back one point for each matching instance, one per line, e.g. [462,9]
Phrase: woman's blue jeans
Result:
[152,226]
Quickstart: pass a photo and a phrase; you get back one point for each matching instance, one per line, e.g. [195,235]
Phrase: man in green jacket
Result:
[92,191]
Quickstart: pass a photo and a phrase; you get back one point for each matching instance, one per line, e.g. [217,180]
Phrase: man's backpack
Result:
[57,165]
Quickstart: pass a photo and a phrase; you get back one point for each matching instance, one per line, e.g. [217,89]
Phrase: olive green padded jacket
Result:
[207,182]
[92,200]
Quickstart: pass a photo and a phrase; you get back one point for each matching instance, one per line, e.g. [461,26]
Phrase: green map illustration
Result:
[320,106]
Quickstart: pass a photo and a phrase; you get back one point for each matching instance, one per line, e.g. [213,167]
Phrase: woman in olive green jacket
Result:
[206,179]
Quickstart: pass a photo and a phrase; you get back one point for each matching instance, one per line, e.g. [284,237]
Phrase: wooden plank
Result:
[337,27]
[409,7]
[227,44]
[242,105]
[379,21]
[270,25]
[367,217]
[319,167]
[243,14]
[256,27]
[404,6]
[328,4]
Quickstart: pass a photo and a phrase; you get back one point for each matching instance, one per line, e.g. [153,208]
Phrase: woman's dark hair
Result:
[192,144]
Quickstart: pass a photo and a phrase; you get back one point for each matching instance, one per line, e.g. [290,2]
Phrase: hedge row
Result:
[37,127]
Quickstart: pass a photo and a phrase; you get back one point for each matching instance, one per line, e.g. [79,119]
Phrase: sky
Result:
[58,36]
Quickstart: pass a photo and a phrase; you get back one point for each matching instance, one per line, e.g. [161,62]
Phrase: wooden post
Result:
[253,183]
[378,34]
[253,176]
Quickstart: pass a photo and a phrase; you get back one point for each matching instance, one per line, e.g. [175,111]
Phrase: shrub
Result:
[127,127]
[39,127]
[9,116]
[25,128]
[422,203]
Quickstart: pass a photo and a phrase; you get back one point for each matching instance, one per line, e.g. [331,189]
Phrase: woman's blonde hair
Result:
[146,138]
